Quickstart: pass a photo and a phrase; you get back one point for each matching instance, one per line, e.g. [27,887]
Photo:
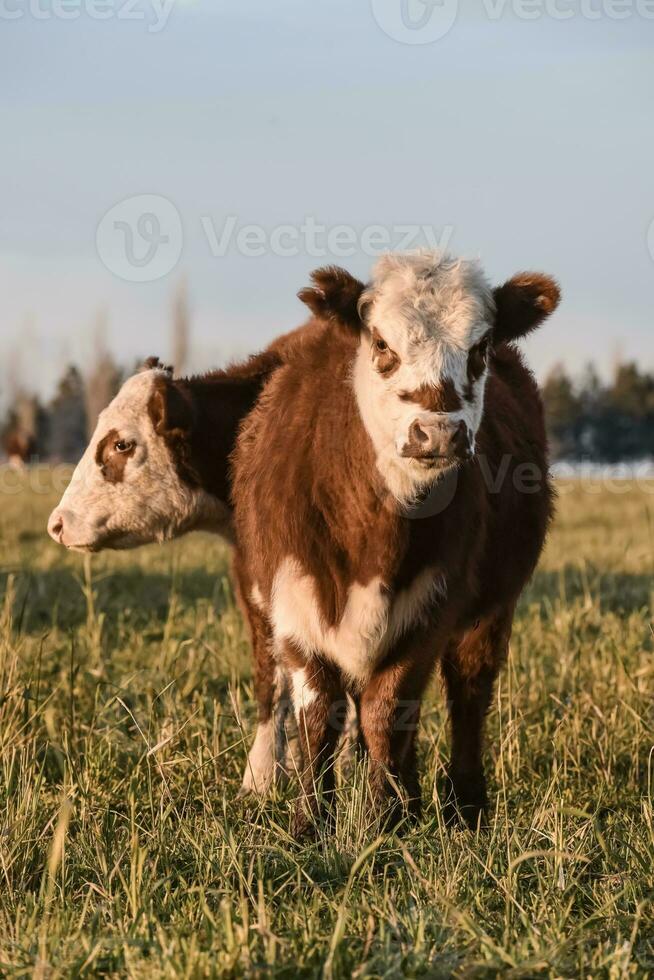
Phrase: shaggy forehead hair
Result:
[429,296]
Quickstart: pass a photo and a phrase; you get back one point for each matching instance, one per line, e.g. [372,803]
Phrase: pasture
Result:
[126,711]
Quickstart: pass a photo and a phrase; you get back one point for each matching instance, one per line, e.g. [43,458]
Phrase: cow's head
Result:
[427,323]
[127,489]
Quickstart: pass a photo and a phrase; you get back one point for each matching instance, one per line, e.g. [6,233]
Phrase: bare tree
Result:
[67,418]
[181,328]
[103,377]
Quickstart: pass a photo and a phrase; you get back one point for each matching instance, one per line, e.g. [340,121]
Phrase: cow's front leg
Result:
[267,764]
[470,667]
[390,715]
[320,708]
[265,761]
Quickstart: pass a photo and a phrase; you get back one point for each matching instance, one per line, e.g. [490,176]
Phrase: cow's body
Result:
[352,591]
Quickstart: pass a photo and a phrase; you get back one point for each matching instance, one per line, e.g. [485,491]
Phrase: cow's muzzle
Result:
[66,529]
[437,443]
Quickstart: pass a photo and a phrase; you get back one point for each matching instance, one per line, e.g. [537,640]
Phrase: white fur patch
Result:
[303,693]
[259,772]
[150,503]
[371,621]
[266,762]
[430,309]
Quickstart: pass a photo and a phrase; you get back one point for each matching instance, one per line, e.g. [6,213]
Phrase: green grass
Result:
[125,713]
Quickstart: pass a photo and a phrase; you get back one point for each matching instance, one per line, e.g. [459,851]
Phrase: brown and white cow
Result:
[157,465]
[391,501]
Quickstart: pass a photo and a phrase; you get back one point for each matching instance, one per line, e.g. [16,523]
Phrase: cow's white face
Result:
[421,368]
[125,490]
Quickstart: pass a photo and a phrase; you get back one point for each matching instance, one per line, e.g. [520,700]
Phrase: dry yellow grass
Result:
[125,712]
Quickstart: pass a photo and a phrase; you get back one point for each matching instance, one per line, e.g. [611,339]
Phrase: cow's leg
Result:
[390,714]
[470,666]
[352,745]
[320,708]
[265,762]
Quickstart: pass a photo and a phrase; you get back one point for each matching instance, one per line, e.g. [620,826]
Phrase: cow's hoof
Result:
[464,802]
[303,828]
[471,815]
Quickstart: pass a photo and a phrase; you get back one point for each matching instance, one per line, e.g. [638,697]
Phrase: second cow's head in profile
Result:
[157,464]
[426,323]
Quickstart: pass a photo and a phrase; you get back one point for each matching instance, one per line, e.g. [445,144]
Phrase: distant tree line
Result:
[59,430]
[586,418]
[604,422]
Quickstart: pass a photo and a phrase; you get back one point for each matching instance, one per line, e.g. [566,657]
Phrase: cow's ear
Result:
[523,303]
[153,362]
[334,296]
[170,409]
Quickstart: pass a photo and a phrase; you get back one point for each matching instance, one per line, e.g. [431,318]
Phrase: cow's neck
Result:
[220,403]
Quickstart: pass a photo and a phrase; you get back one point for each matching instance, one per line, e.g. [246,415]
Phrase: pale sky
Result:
[526,142]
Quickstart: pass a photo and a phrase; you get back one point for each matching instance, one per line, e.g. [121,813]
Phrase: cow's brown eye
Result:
[383,357]
[123,446]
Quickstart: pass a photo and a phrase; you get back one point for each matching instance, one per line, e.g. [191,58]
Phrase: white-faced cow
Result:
[357,577]
[157,465]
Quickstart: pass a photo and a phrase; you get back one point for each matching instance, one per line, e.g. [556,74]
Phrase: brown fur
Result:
[199,417]
[306,486]
[435,398]
[477,361]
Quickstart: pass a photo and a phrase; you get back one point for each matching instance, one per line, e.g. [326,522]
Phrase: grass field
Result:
[125,714]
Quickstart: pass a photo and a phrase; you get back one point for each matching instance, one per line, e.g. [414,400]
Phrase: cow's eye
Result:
[477,359]
[381,345]
[123,446]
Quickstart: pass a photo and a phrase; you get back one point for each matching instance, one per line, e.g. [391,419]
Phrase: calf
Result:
[157,465]
[383,517]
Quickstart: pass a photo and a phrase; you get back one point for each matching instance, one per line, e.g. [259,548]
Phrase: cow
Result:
[157,465]
[391,500]
[20,448]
